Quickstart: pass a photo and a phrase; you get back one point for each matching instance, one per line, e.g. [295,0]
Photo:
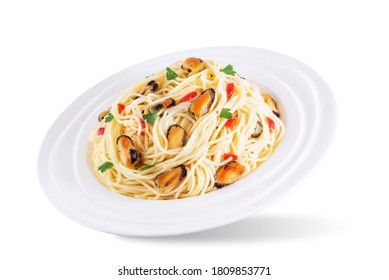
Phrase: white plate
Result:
[306,106]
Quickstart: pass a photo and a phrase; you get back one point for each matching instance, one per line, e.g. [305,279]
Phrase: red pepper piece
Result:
[142,123]
[270,123]
[121,107]
[228,155]
[231,122]
[100,131]
[189,96]
[230,90]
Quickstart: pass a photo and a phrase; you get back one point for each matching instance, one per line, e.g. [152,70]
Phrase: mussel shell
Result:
[257,130]
[192,65]
[228,174]
[103,114]
[151,86]
[167,103]
[176,136]
[129,155]
[201,104]
[171,177]
[272,104]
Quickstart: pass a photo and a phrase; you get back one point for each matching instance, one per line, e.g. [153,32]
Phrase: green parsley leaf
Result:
[226,113]
[109,117]
[150,118]
[105,166]
[170,74]
[229,70]
[144,167]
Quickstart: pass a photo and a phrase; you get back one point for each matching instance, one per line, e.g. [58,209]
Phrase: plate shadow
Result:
[260,228]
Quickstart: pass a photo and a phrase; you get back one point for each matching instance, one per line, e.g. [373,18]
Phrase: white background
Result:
[334,226]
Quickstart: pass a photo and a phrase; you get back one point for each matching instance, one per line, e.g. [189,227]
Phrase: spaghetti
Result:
[190,129]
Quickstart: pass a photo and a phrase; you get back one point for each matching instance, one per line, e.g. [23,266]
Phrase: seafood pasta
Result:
[189,129]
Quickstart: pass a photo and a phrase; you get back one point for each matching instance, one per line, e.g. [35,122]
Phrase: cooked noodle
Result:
[208,139]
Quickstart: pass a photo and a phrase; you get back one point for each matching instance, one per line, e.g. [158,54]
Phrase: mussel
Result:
[176,137]
[269,101]
[151,86]
[192,65]
[171,177]
[103,114]
[228,174]
[129,155]
[200,106]
[257,130]
[167,103]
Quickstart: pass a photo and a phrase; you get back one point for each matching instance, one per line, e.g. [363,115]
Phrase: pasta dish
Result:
[190,129]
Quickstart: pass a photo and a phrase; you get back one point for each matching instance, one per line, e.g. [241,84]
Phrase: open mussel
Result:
[228,174]
[192,65]
[129,155]
[201,105]
[171,177]
[162,106]
[269,101]
[176,137]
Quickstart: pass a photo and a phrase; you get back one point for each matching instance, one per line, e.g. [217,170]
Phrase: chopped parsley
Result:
[109,117]
[151,118]
[105,166]
[226,113]
[170,74]
[144,167]
[229,70]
